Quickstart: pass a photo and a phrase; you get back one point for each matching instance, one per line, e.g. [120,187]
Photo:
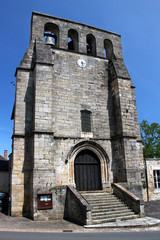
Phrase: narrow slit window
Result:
[86,121]
[105,53]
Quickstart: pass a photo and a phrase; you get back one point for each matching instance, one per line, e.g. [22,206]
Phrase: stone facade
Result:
[54,84]
[153,178]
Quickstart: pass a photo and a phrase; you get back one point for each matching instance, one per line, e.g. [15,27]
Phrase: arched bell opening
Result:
[72,40]
[51,34]
[91,45]
[108,49]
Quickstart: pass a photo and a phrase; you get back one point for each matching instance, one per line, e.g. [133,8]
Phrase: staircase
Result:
[106,207]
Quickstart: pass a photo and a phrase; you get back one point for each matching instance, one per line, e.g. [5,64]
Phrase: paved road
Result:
[80,236]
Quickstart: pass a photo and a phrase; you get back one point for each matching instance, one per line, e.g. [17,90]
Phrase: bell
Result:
[49,39]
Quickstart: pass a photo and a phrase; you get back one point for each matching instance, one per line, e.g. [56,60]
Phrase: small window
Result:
[156,174]
[45,201]
[86,121]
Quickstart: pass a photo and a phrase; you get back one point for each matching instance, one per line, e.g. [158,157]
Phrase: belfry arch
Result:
[51,34]
[108,49]
[98,151]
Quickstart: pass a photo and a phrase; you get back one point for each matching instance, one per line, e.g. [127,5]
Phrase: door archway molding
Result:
[98,150]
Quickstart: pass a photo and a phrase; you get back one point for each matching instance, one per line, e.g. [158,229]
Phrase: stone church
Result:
[75,118]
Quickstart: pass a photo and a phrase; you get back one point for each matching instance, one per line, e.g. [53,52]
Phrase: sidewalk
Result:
[150,222]
[22,224]
[152,209]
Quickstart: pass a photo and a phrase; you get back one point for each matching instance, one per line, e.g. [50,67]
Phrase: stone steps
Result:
[106,207]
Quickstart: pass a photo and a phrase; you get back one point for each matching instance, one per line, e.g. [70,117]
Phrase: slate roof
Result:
[2,158]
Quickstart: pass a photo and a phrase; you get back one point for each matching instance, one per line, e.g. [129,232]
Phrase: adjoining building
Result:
[153,178]
[4,173]
[75,118]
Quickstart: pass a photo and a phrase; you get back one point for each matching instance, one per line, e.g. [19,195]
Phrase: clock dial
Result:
[81,63]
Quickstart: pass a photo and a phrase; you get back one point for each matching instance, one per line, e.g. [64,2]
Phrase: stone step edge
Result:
[113,216]
[108,204]
[115,219]
[102,200]
[99,197]
[106,208]
[95,192]
[100,213]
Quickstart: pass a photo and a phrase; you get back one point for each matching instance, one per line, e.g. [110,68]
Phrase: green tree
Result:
[151,139]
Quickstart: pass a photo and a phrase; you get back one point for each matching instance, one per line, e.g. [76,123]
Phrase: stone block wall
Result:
[58,198]
[127,146]
[76,89]
[17,186]
[77,208]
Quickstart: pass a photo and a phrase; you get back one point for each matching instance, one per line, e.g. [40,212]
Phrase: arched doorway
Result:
[87,171]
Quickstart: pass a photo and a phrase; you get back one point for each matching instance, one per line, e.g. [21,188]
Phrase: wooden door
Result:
[87,171]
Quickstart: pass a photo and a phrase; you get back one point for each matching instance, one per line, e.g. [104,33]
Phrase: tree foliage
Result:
[151,139]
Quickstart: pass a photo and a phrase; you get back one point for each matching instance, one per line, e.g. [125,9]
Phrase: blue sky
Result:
[137,21]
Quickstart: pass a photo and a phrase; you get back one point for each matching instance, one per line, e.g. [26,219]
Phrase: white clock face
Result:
[81,63]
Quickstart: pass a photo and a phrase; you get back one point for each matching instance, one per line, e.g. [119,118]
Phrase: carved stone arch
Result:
[51,30]
[97,150]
